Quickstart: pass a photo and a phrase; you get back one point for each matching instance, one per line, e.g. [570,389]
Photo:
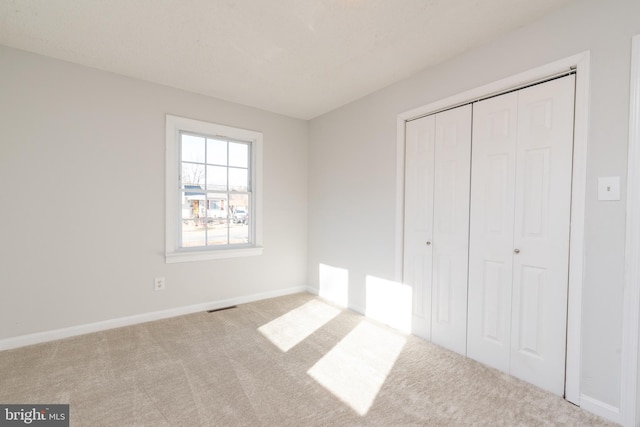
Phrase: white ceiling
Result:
[300,58]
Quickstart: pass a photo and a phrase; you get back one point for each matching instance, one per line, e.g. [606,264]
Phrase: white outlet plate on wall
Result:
[159,284]
[609,188]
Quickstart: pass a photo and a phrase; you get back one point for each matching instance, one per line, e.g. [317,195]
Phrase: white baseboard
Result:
[40,337]
[600,408]
[358,309]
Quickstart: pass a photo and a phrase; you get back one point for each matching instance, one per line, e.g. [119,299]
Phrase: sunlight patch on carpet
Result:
[357,367]
[288,330]
[389,302]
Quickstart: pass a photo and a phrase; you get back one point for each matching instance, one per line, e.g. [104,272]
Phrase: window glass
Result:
[238,179]
[217,178]
[192,174]
[192,148]
[239,231]
[216,152]
[215,204]
[238,154]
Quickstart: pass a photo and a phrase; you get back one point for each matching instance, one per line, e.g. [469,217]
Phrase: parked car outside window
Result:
[240,216]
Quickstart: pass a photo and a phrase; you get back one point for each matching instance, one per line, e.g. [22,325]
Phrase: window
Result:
[213,191]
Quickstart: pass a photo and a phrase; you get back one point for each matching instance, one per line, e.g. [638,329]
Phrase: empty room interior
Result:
[348,212]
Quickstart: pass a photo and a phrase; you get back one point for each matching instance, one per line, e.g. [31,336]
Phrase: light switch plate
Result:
[609,188]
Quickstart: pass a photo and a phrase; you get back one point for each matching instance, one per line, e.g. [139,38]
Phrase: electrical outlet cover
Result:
[609,188]
[159,283]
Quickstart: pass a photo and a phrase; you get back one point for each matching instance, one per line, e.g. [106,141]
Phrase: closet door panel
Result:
[541,233]
[451,228]
[418,225]
[491,230]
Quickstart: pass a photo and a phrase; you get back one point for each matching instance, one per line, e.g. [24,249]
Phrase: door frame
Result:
[581,64]
[631,303]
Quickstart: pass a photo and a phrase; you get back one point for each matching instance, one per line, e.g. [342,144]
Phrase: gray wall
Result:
[82,191]
[352,166]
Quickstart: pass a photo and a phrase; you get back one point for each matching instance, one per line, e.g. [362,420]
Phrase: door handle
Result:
[428,243]
[516,251]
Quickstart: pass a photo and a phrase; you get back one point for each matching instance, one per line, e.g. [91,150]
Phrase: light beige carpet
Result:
[294,360]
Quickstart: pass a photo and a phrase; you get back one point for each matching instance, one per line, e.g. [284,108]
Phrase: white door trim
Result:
[581,63]
[630,314]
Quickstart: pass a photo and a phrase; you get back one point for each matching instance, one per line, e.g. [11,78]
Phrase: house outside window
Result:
[213,191]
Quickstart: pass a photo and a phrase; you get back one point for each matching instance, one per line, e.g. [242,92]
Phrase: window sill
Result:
[191,256]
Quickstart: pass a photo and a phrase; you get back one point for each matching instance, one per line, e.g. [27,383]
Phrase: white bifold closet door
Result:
[418,219]
[437,174]
[519,232]
[451,228]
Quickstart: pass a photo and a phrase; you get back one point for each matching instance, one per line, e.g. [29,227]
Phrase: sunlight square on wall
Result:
[389,302]
[334,284]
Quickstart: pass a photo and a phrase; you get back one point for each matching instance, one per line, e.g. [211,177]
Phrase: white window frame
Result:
[173,253]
